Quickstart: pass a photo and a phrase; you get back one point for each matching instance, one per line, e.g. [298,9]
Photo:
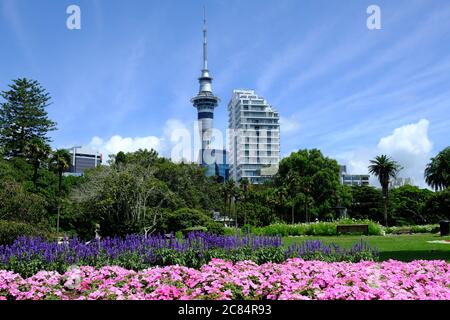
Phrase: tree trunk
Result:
[385,212]
[60,182]
[292,211]
[226,204]
[385,198]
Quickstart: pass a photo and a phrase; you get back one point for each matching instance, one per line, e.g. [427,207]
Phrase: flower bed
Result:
[293,279]
[27,256]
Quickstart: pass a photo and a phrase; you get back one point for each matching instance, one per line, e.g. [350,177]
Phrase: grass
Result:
[397,247]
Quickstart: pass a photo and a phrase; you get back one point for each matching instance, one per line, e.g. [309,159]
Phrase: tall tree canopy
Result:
[37,152]
[23,116]
[135,193]
[437,172]
[312,181]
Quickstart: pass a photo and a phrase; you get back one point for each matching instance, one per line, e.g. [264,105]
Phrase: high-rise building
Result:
[353,179]
[400,182]
[214,160]
[254,137]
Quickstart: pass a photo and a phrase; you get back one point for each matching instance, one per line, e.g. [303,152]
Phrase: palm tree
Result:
[384,168]
[60,161]
[244,184]
[36,151]
[229,190]
[437,172]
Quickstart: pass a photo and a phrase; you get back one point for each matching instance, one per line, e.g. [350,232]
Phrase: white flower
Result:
[74,279]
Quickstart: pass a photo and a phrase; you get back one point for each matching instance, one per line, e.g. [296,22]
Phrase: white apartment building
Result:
[253,137]
[400,182]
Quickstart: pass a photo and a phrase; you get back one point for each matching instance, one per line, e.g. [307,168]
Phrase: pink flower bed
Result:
[294,279]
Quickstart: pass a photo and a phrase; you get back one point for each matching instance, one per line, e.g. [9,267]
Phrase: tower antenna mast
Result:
[205,45]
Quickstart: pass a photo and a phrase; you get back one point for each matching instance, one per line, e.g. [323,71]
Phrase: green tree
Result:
[437,207]
[120,158]
[437,172]
[18,204]
[229,191]
[366,203]
[59,162]
[384,168]
[312,181]
[136,195]
[23,116]
[185,218]
[37,152]
[244,184]
[408,205]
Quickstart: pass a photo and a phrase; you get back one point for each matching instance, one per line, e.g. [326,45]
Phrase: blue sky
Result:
[125,79]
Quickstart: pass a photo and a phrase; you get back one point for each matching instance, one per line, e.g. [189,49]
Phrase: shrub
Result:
[187,218]
[430,228]
[230,231]
[11,230]
[214,227]
[16,203]
[314,229]
[194,229]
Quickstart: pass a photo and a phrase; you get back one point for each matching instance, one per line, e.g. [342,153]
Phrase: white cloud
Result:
[411,147]
[408,144]
[126,144]
[175,142]
[410,139]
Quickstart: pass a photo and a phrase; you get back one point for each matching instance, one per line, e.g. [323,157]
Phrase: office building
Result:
[83,158]
[353,179]
[253,137]
[400,182]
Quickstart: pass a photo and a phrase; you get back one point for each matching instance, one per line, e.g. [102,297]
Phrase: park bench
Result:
[353,228]
[404,231]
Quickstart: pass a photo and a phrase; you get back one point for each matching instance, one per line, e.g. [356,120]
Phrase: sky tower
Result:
[205,101]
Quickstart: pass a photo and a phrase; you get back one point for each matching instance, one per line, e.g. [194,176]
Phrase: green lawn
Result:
[398,247]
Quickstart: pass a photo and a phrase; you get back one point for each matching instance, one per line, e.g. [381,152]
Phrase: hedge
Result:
[311,229]
[11,230]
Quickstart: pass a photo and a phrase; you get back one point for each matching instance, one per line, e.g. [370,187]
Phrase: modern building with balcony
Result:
[253,137]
